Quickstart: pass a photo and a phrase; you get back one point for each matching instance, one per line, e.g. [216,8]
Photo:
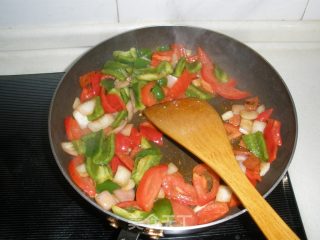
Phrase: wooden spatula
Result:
[198,127]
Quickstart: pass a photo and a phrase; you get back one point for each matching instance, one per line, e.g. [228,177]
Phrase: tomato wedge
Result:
[73,129]
[183,215]
[177,189]
[212,211]
[273,139]
[232,131]
[85,183]
[126,160]
[147,97]
[90,84]
[158,57]
[202,176]
[115,163]
[111,103]
[151,133]
[181,84]
[265,115]
[128,204]
[149,186]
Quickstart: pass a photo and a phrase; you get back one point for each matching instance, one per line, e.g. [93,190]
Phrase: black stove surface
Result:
[36,201]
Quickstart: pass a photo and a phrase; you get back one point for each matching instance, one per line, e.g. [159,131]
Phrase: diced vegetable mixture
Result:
[119,164]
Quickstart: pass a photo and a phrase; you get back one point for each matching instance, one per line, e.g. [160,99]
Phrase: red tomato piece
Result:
[160,56]
[73,129]
[212,211]
[123,143]
[149,186]
[181,84]
[128,204]
[234,201]
[252,162]
[235,120]
[231,93]
[251,104]
[147,97]
[111,103]
[183,215]
[265,115]
[232,131]
[253,175]
[273,139]
[85,183]
[115,163]
[148,131]
[126,160]
[200,177]
[90,84]
[177,189]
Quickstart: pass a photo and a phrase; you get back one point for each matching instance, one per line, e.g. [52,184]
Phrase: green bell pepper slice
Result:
[107,84]
[194,67]
[162,208]
[221,75]
[130,213]
[193,91]
[136,89]
[99,173]
[181,64]
[158,92]
[118,70]
[107,185]
[98,110]
[125,56]
[119,118]
[256,144]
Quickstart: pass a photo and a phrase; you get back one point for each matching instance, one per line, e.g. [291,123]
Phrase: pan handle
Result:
[128,235]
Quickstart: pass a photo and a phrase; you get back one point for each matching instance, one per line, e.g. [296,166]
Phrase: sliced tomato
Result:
[128,204]
[253,175]
[231,93]
[147,97]
[183,215]
[111,103]
[115,163]
[160,56]
[151,133]
[252,162]
[73,129]
[149,186]
[265,115]
[90,84]
[232,131]
[123,143]
[212,211]
[126,160]
[177,189]
[234,201]
[203,177]
[181,84]
[85,183]
[272,137]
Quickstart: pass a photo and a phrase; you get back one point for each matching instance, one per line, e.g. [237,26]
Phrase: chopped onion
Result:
[69,148]
[199,208]
[76,103]
[224,194]
[172,168]
[261,109]
[126,131]
[130,109]
[197,82]
[101,123]
[161,193]
[124,195]
[82,170]
[171,80]
[245,126]
[106,200]
[81,119]
[227,115]
[241,157]
[236,108]
[264,168]
[258,126]
[131,184]
[122,176]
[121,84]
[87,107]
[249,115]
[242,167]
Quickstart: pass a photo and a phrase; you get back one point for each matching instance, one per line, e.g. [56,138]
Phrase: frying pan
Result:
[252,72]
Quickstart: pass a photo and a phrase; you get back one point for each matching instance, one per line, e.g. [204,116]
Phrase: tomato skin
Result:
[73,129]
[177,189]
[212,211]
[115,163]
[199,178]
[90,84]
[127,204]
[148,131]
[85,183]
[123,143]
[231,93]
[126,160]
[160,56]
[183,215]
[232,131]
[265,115]
[181,85]
[149,186]
[111,103]
[147,97]
[272,137]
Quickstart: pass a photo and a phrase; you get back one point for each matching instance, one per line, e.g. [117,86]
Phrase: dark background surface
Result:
[36,201]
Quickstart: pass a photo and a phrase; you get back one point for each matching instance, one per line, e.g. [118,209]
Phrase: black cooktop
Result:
[36,201]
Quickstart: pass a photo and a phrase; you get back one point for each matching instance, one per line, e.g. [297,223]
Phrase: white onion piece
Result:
[82,170]
[172,168]
[196,82]
[264,168]
[76,103]
[131,184]
[123,195]
[258,126]
[224,194]
[106,200]
[122,176]
[227,115]
[87,107]
[249,115]
[121,84]
[130,109]
[69,148]
[261,109]
[241,157]
[245,126]
[126,131]
[171,80]
[81,119]
[161,193]
[236,108]
[242,167]
[101,123]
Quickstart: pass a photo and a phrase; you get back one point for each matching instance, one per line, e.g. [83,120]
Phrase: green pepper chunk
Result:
[141,63]
[107,185]
[91,143]
[194,67]
[79,146]
[136,89]
[130,213]
[158,92]
[162,82]
[125,56]
[120,116]
[221,75]
[124,94]
[151,74]
[145,53]
[116,69]
[193,91]
[144,160]
[181,64]
[145,143]
[256,144]
[108,84]
[163,210]
[98,110]
[163,48]
[99,173]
